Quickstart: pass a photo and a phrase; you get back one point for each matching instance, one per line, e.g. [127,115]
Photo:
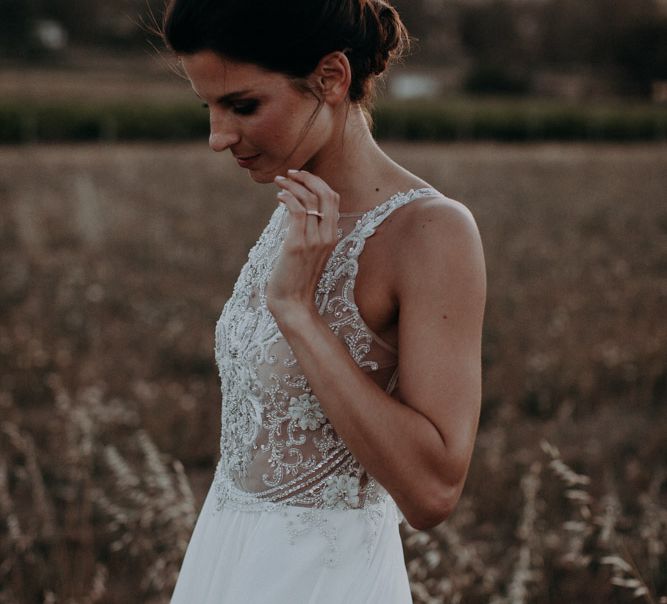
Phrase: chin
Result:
[261,178]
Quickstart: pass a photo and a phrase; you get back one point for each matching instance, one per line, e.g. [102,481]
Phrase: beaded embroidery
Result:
[277,447]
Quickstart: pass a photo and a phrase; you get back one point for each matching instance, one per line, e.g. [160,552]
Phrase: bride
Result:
[350,350]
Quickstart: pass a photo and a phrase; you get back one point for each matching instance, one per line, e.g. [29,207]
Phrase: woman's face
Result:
[257,114]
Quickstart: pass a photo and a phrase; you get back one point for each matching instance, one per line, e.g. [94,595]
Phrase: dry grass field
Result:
[116,261]
[97,77]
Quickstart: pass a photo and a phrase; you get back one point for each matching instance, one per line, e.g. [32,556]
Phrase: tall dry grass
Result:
[116,262]
[88,496]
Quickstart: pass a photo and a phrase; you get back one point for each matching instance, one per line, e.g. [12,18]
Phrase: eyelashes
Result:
[245,108]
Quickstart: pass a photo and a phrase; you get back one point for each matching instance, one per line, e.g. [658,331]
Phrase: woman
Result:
[351,382]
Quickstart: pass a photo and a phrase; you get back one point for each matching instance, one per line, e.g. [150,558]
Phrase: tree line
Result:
[502,43]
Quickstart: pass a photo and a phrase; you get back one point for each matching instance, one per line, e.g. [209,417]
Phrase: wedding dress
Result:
[292,517]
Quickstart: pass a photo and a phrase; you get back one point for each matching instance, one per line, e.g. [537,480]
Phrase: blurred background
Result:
[547,47]
[121,236]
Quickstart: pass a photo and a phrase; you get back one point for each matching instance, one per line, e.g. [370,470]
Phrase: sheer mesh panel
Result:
[277,446]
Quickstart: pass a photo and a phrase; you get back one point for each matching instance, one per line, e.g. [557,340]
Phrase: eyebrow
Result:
[229,98]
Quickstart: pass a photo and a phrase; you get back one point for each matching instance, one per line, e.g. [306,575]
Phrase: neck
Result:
[353,165]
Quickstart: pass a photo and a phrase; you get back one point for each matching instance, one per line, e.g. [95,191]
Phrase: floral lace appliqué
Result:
[306,411]
[277,447]
[341,492]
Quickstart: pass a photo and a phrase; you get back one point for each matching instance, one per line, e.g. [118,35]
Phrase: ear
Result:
[333,76]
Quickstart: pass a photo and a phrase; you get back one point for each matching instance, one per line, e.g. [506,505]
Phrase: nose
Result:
[223,134]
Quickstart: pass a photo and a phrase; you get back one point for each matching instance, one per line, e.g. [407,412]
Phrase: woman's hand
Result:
[307,245]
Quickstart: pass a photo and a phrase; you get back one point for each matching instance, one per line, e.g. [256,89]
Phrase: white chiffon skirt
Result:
[249,557]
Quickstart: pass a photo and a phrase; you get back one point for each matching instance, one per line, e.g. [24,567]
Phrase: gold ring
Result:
[314,213]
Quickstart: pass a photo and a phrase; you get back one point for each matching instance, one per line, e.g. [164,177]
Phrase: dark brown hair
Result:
[291,36]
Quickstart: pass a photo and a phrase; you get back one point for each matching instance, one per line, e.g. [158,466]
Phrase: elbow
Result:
[424,523]
[426,520]
[438,494]
[434,511]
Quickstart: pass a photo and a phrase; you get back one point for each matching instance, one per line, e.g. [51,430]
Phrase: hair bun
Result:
[390,34]
[380,37]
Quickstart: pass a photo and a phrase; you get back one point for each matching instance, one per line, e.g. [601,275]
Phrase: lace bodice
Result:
[277,446]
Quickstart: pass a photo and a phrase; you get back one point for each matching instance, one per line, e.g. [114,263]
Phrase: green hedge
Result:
[520,121]
[459,119]
[28,122]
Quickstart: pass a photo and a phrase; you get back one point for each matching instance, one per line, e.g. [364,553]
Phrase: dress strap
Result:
[372,219]
[343,262]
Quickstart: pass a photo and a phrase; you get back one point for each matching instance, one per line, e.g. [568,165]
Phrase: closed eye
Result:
[246,108]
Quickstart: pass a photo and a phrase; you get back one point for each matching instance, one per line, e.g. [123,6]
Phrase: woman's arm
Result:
[418,447]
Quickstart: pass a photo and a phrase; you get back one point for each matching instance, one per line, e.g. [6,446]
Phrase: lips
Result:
[247,160]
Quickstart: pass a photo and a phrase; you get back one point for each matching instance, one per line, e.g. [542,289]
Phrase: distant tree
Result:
[98,22]
[566,28]
[413,15]
[16,27]
[80,19]
[432,25]
[642,55]
[494,78]
[488,30]
[587,33]
[491,35]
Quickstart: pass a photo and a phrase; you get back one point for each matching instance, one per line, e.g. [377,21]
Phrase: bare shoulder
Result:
[439,215]
[433,230]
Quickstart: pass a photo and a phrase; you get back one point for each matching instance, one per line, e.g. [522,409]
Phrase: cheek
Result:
[274,131]
[283,125]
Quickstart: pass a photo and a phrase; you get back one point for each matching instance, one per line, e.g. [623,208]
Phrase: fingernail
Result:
[282,193]
[293,171]
[280,178]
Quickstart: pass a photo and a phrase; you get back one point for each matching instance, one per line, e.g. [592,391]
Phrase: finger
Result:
[309,200]
[296,233]
[311,182]
[328,198]
[307,197]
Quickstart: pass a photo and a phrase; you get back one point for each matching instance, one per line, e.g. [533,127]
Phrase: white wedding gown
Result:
[292,517]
